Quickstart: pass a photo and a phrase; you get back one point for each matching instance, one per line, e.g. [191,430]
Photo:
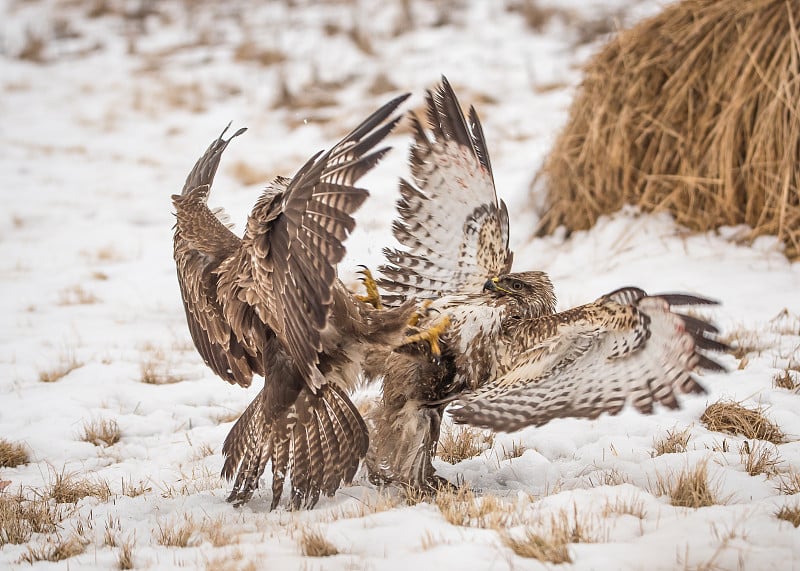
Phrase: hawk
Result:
[508,359]
[270,304]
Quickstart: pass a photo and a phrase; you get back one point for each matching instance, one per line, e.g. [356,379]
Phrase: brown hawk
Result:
[507,358]
[270,304]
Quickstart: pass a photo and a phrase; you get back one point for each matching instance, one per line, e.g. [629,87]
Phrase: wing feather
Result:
[451,226]
[201,243]
[295,235]
[593,359]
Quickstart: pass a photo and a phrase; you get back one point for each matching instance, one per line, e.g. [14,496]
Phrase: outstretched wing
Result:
[594,359]
[453,230]
[296,240]
[201,243]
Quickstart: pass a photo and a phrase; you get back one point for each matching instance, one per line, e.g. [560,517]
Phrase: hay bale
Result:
[695,111]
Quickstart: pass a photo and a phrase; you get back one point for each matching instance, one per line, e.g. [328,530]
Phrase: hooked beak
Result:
[491,284]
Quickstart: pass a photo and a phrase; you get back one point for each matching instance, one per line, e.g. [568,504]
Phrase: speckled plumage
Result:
[508,360]
[626,347]
[270,304]
[454,236]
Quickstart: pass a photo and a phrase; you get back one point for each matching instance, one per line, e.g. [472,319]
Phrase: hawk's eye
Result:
[516,286]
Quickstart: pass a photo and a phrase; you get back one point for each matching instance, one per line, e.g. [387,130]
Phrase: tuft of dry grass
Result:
[462,507]
[625,506]
[549,548]
[175,533]
[76,295]
[536,17]
[690,488]
[517,449]
[232,560]
[787,379]
[33,48]
[55,549]
[250,51]
[187,531]
[789,483]
[692,112]
[674,442]
[66,365]
[743,342]
[382,84]
[759,458]
[111,532]
[612,477]
[732,418]
[551,544]
[790,514]
[68,488]
[463,442]
[314,544]
[12,454]
[155,371]
[22,516]
[247,174]
[101,432]
[135,490]
[125,556]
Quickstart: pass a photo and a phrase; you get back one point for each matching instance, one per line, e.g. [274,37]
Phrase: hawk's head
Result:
[532,292]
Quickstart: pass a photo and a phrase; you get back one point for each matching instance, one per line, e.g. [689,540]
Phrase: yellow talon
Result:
[431,335]
[373,296]
[420,313]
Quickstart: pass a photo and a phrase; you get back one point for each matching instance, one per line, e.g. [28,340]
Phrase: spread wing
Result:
[595,358]
[295,240]
[201,242]
[453,230]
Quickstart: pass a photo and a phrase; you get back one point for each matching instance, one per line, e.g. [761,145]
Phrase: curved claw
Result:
[431,335]
[373,296]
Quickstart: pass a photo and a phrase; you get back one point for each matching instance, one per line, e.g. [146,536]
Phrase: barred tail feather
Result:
[317,443]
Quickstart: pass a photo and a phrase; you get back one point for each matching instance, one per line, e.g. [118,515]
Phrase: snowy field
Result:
[106,105]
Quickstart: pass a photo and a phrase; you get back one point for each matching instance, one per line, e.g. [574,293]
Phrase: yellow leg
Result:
[373,296]
[431,335]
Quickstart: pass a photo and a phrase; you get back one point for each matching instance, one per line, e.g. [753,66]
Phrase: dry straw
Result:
[732,418]
[695,111]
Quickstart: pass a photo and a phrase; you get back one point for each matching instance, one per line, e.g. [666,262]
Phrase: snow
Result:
[99,135]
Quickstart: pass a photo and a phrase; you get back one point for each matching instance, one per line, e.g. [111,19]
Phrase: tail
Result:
[403,445]
[317,442]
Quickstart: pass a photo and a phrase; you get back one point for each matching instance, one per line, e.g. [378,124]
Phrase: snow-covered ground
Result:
[105,107]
